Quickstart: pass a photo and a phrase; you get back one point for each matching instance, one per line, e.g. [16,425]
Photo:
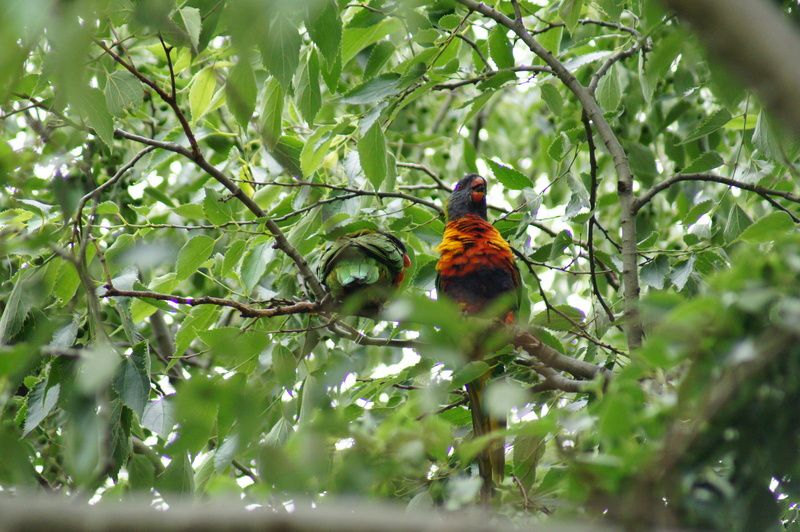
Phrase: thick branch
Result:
[645,198]
[630,270]
[29,511]
[552,358]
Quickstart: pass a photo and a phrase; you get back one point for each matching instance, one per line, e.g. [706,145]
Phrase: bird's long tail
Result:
[491,459]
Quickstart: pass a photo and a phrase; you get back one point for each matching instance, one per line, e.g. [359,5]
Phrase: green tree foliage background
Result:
[155,154]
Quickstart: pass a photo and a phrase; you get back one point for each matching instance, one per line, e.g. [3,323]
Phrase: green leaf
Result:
[560,243]
[560,147]
[737,222]
[469,373]
[642,160]
[315,149]
[552,98]
[141,473]
[241,92]
[201,92]
[378,57]
[611,8]
[579,200]
[279,433]
[217,211]
[450,22]
[159,417]
[655,272]
[680,273]
[16,308]
[766,139]
[570,12]
[500,48]
[199,318]
[108,208]
[232,346]
[133,380]
[476,104]
[119,437]
[192,255]
[280,49]
[528,450]
[309,99]
[193,22]
[372,154]
[40,402]
[609,91]
[92,108]
[178,477]
[555,321]
[272,113]
[374,90]
[664,53]
[508,176]
[768,228]
[355,39]
[325,29]
[255,262]
[697,211]
[123,91]
[141,309]
[284,364]
[703,163]
[709,125]
[741,123]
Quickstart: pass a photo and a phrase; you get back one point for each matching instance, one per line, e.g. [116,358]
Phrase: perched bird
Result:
[364,269]
[476,268]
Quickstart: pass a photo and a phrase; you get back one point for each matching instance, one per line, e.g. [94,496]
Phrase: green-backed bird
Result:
[364,269]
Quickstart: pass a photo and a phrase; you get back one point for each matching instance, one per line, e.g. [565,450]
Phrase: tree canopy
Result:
[172,171]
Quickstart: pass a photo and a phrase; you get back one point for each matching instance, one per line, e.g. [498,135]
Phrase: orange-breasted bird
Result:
[475,269]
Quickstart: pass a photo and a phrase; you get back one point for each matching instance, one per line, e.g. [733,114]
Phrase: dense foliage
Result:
[205,152]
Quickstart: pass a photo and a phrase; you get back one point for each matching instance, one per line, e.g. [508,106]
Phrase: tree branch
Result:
[490,73]
[645,198]
[108,184]
[592,220]
[299,307]
[29,511]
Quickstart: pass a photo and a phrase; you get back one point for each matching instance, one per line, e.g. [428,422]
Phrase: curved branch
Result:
[553,359]
[645,198]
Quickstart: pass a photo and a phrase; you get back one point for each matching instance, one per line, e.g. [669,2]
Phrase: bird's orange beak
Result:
[478,187]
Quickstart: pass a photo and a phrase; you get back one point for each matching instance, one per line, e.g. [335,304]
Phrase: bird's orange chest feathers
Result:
[470,243]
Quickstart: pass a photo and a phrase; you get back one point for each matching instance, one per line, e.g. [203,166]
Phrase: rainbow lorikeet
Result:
[364,268]
[476,269]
